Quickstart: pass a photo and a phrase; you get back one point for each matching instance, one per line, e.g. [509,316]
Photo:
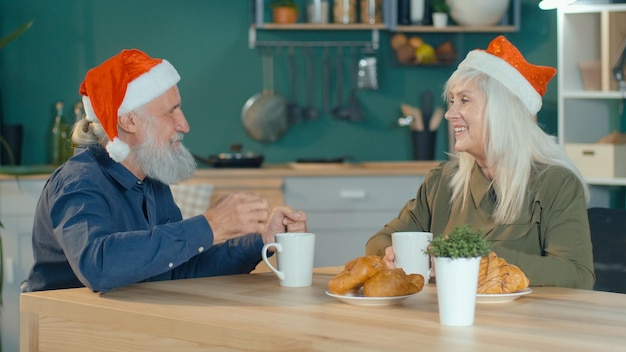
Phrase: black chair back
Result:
[608,236]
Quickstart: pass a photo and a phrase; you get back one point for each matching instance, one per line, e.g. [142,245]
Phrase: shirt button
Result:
[200,249]
[170,265]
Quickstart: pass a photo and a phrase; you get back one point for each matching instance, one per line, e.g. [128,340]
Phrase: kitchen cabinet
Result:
[344,212]
[18,198]
[590,33]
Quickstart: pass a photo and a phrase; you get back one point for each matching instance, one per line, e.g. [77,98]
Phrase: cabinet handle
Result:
[352,194]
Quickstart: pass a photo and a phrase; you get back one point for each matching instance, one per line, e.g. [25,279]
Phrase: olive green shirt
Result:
[550,242]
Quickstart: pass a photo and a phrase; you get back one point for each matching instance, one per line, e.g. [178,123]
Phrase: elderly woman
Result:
[508,178]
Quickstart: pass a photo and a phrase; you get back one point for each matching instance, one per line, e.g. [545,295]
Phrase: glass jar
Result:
[344,11]
[317,11]
[371,11]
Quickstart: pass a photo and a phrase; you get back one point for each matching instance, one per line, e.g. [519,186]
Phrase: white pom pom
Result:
[118,150]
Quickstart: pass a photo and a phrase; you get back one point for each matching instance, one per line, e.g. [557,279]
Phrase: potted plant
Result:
[284,11]
[457,259]
[439,10]
[3,141]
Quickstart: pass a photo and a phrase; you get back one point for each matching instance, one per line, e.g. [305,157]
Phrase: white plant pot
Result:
[457,280]
[440,19]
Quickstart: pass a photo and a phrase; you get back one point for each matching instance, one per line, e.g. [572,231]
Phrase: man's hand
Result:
[284,219]
[237,214]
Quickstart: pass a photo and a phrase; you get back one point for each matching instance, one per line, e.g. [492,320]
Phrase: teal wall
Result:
[207,41]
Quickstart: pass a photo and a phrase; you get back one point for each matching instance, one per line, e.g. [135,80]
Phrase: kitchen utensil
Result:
[340,112]
[417,122]
[294,110]
[264,115]
[367,74]
[427,105]
[435,120]
[354,106]
[326,81]
[309,112]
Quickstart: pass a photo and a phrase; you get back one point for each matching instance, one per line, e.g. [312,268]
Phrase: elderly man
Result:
[106,218]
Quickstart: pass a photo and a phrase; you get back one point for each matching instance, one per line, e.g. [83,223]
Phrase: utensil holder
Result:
[424,144]
[13,136]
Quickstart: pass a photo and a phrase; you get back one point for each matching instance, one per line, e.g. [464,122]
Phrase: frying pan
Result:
[264,115]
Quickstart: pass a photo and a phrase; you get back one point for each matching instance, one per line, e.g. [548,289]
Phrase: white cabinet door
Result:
[17,209]
[344,212]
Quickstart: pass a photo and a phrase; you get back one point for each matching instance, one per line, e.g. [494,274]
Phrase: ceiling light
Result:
[553,4]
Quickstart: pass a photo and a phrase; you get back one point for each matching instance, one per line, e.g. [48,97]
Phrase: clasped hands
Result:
[243,213]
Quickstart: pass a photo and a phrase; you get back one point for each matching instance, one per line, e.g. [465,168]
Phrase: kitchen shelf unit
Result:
[510,23]
[590,32]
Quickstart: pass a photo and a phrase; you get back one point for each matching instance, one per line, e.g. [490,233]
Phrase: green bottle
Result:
[61,144]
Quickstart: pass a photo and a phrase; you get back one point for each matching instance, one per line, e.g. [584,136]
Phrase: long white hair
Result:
[514,145]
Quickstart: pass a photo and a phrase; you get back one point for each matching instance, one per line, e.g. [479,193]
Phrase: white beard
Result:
[165,163]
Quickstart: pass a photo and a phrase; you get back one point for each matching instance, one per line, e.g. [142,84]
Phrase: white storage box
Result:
[597,160]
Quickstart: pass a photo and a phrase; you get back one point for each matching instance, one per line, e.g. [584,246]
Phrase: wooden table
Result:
[252,312]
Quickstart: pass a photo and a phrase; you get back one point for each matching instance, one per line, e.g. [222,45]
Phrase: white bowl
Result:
[477,12]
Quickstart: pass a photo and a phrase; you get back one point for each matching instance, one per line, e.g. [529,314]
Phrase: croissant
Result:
[355,273]
[392,282]
[496,276]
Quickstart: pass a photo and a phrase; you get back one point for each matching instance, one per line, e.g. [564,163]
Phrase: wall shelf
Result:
[510,23]
[457,29]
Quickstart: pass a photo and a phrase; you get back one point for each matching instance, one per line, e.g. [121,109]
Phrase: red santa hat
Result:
[121,84]
[503,62]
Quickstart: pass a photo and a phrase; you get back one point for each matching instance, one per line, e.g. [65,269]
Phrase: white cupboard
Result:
[18,198]
[591,35]
[344,212]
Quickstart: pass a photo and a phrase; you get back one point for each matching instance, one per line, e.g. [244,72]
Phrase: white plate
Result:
[360,300]
[501,298]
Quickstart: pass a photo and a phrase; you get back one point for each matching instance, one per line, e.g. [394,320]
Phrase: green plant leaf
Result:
[462,242]
[283,3]
[16,33]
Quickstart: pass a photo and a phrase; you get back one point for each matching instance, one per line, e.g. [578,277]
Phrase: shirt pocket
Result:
[523,233]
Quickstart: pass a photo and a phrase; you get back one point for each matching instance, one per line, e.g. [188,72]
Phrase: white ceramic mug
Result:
[295,258]
[409,249]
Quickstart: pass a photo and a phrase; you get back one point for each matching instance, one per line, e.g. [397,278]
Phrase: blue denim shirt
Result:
[97,225]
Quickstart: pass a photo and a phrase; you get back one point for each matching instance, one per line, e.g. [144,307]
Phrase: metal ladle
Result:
[340,112]
[354,106]
[309,112]
[294,111]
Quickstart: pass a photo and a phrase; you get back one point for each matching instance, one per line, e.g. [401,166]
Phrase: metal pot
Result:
[234,158]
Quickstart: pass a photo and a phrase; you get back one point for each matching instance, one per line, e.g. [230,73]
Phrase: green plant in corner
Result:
[3,42]
[283,3]
[462,242]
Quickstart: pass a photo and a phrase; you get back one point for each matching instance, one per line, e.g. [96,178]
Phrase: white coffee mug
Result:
[409,249]
[295,258]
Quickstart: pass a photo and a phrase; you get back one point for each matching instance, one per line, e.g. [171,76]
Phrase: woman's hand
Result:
[389,258]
